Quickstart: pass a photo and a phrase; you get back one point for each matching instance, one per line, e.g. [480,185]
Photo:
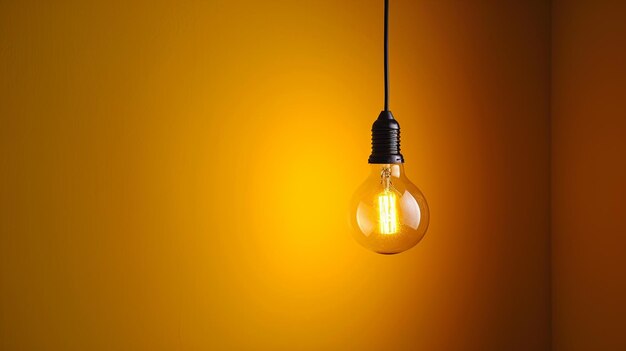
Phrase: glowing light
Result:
[387,214]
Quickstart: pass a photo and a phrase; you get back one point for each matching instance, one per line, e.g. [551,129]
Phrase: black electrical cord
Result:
[386,130]
[386,50]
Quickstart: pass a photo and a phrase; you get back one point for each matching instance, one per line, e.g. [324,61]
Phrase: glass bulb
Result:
[389,214]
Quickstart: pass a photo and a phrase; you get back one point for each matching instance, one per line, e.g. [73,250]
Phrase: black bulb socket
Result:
[385,140]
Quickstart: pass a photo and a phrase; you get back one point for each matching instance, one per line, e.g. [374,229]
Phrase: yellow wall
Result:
[589,175]
[175,175]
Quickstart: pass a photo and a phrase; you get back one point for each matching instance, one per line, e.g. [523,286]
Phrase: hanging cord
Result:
[386,130]
[386,50]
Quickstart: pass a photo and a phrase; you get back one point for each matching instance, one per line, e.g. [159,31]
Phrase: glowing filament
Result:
[387,214]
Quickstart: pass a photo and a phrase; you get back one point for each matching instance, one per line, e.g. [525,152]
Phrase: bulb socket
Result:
[385,140]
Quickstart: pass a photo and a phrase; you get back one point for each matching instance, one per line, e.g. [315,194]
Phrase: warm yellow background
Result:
[176,175]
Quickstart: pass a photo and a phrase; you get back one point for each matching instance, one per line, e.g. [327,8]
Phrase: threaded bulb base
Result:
[385,140]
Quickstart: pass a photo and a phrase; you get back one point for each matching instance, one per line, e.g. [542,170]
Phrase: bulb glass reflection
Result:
[389,214]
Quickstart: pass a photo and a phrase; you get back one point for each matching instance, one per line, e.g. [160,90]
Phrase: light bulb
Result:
[389,214]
